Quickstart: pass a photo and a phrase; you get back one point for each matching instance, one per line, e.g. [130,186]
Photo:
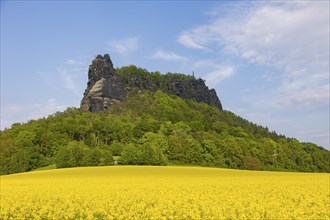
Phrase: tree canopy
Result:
[154,128]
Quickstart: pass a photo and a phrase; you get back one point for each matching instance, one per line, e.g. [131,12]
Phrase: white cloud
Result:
[69,83]
[13,110]
[310,98]
[69,78]
[291,40]
[212,72]
[216,76]
[72,75]
[316,135]
[292,37]
[124,46]
[77,62]
[14,113]
[190,41]
[71,62]
[44,109]
[168,56]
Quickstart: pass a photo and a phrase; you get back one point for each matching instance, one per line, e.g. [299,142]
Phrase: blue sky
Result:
[268,61]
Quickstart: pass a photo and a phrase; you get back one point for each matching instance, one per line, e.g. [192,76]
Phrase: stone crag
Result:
[105,87]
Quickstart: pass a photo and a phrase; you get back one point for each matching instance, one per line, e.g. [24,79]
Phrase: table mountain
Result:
[107,86]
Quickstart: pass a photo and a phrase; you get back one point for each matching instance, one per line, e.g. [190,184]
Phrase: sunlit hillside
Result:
[154,129]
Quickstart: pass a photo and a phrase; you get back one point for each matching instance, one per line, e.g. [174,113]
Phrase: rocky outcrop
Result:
[105,87]
[194,89]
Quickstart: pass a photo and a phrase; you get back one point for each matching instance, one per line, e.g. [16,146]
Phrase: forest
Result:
[154,128]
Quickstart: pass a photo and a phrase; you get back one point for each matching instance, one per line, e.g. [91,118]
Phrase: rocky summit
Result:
[106,87]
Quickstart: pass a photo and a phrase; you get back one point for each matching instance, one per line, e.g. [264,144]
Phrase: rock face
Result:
[105,87]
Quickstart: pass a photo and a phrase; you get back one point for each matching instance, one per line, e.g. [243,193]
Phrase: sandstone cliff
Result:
[106,87]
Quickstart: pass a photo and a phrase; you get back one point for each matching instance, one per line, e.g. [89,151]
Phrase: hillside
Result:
[144,118]
[154,129]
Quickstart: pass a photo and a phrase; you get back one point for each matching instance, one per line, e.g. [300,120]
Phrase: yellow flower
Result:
[136,192]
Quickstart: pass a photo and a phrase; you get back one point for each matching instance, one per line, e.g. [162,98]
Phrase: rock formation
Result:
[105,87]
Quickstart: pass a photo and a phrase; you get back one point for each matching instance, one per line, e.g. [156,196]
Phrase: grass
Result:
[49,167]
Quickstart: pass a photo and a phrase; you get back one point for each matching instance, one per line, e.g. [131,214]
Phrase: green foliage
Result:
[133,75]
[76,154]
[64,157]
[49,167]
[148,150]
[154,129]
[250,163]
[116,148]
[152,147]
[130,155]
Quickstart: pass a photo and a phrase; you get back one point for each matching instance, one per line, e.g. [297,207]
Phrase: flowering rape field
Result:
[146,192]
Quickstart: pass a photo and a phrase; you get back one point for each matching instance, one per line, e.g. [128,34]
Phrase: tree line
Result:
[154,129]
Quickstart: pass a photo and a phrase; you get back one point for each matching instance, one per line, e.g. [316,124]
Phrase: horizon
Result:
[267,61]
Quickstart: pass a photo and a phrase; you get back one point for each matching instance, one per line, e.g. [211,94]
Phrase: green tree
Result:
[64,157]
[7,151]
[130,155]
[71,155]
[25,144]
[116,148]
[20,161]
[93,157]
[151,148]
[250,163]
[232,153]
[78,152]
[152,127]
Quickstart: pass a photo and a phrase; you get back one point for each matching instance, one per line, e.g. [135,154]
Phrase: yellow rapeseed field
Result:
[141,192]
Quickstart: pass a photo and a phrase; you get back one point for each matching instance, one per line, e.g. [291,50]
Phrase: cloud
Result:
[71,75]
[168,56]
[12,110]
[216,76]
[71,62]
[213,72]
[190,40]
[39,110]
[15,113]
[316,135]
[69,83]
[292,37]
[69,78]
[124,46]
[310,98]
